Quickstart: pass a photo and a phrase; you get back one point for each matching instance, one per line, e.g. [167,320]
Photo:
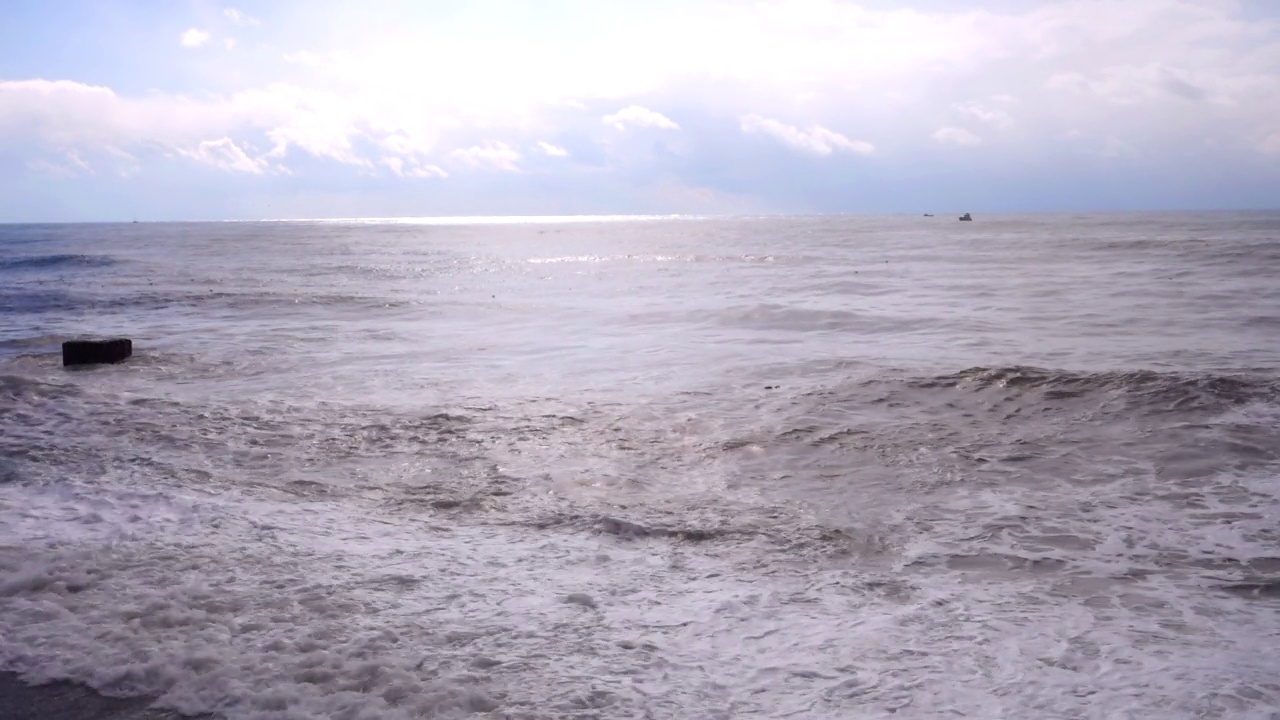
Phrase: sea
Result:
[899,467]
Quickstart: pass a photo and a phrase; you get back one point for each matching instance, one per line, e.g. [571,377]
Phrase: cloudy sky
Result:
[204,110]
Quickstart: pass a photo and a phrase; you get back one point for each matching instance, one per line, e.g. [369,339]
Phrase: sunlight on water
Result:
[493,219]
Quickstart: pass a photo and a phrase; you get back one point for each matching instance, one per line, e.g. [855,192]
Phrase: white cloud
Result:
[552,150]
[815,139]
[1149,82]
[74,159]
[956,136]
[52,169]
[62,114]
[194,38]
[226,155]
[984,113]
[305,57]
[321,124]
[319,134]
[58,114]
[636,116]
[1159,74]
[238,17]
[426,171]
[229,43]
[415,170]
[496,155]
[71,166]
[396,139]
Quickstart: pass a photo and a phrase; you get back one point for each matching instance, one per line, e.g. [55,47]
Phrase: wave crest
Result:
[1171,391]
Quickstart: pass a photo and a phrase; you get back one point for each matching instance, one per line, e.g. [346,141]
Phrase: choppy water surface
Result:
[649,468]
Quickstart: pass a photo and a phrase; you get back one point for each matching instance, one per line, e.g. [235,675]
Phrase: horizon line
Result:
[619,217]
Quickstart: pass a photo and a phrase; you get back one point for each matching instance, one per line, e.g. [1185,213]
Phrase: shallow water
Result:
[691,467]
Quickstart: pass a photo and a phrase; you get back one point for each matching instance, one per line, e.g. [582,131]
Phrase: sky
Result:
[197,109]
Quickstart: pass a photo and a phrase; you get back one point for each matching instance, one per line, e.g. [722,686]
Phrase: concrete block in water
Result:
[89,352]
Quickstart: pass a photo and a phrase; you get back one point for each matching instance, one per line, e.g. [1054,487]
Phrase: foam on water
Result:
[268,608]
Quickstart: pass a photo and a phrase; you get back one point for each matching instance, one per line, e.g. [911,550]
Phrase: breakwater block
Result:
[90,352]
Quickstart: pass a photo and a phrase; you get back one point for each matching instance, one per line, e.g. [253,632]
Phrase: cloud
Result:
[552,150]
[636,116]
[226,155]
[52,169]
[322,124]
[415,170]
[747,81]
[984,113]
[956,136]
[1139,84]
[815,139]
[229,43]
[495,155]
[74,159]
[238,17]
[305,57]
[194,38]
[61,115]
[72,166]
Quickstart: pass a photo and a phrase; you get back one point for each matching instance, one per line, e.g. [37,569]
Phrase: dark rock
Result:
[88,352]
[965,217]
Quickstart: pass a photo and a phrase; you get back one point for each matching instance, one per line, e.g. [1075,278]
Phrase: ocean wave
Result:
[652,258]
[14,387]
[31,345]
[1153,389]
[61,260]
[35,301]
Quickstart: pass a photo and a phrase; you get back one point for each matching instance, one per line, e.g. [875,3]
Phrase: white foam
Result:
[262,609]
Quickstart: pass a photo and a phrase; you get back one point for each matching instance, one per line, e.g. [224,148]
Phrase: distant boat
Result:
[927,215]
[966,217]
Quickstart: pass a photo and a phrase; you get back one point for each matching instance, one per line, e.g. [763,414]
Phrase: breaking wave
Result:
[1150,390]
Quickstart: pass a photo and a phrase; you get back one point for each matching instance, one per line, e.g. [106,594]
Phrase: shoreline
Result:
[66,700]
